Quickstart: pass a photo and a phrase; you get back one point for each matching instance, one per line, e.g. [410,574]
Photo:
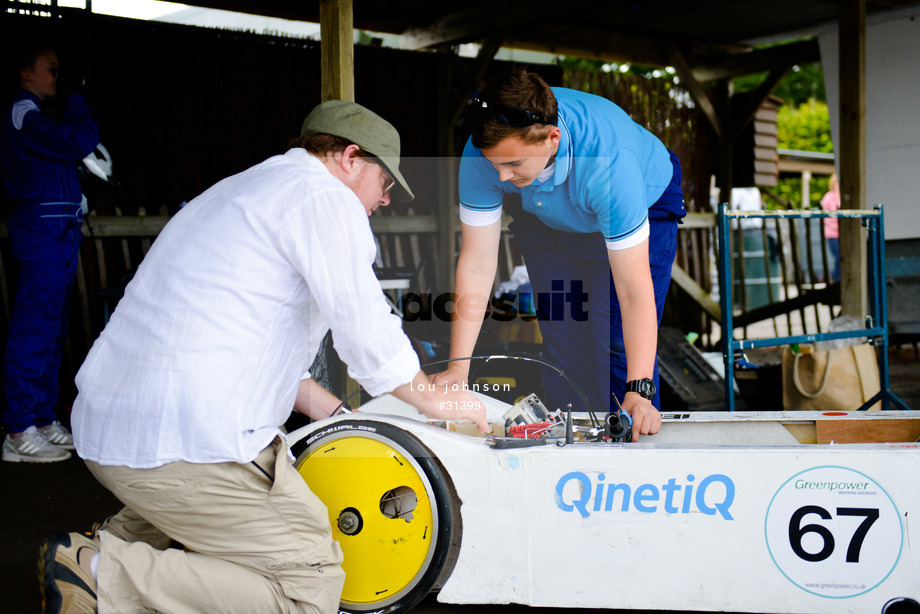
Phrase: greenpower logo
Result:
[857,487]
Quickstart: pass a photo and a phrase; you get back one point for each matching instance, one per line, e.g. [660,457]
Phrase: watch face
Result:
[645,387]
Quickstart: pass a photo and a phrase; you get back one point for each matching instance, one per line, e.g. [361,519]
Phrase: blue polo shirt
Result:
[608,171]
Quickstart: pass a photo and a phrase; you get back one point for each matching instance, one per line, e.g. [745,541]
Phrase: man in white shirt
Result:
[181,397]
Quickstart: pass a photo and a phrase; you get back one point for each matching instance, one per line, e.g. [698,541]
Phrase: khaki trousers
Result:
[251,544]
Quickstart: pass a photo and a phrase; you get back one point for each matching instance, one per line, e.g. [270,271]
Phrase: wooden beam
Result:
[761,60]
[100,226]
[815,167]
[97,226]
[741,117]
[696,292]
[446,208]
[470,25]
[696,91]
[602,44]
[404,223]
[698,220]
[594,44]
[336,23]
[293,11]
[726,146]
[852,53]
[829,295]
[449,112]
[889,430]
[519,16]
[806,189]
[598,44]
[471,80]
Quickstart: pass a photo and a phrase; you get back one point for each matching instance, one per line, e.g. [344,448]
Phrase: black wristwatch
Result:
[645,387]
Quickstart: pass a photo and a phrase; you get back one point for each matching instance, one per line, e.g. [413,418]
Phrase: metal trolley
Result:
[876,321]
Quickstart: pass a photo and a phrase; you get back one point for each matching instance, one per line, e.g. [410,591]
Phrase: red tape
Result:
[533,430]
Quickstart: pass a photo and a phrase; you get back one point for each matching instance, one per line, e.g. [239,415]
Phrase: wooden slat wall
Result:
[174,128]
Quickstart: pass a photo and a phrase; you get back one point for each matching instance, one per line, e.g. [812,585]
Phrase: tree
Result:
[801,84]
[803,120]
[804,128]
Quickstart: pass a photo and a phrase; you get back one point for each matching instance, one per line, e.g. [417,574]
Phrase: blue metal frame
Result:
[877,321]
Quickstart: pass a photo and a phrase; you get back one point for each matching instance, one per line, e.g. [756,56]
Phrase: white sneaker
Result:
[32,447]
[58,434]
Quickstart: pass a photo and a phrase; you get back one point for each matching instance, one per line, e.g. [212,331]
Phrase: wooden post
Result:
[337,63]
[806,189]
[337,48]
[853,265]
[456,90]
[447,192]
[726,144]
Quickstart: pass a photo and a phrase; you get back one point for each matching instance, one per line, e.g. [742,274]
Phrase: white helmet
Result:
[99,162]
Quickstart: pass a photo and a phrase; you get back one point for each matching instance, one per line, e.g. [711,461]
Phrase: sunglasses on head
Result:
[504,114]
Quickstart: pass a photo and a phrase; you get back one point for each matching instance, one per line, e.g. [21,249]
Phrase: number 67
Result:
[796,531]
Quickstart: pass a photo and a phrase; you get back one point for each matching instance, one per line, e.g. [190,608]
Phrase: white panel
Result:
[892,117]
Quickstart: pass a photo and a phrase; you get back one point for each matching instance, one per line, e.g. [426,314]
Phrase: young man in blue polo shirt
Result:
[597,224]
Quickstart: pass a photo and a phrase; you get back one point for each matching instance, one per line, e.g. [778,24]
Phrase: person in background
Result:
[601,199]
[748,199]
[39,157]
[181,399]
[831,202]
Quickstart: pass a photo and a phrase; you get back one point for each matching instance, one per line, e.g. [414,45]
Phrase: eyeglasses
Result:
[388,181]
[504,114]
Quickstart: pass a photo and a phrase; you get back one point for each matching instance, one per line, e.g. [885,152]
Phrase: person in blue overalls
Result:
[597,227]
[39,157]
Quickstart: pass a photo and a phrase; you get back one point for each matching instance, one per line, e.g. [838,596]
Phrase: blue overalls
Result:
[561,264]
[39,157]
[611,178]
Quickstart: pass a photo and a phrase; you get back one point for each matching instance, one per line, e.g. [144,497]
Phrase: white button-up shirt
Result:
[202,358]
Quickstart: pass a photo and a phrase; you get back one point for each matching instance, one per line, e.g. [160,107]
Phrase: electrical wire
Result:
[488,358]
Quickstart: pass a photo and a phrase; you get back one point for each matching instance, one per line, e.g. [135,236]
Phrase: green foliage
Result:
[791,189]
[805,128]
[658,104]
[637,71]
[575,63]
[654,99]
[803,124]
[801,84]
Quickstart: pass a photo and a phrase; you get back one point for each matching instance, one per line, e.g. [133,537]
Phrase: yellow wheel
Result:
[391,510]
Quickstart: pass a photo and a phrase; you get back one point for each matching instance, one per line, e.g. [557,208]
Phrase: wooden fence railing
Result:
[114,246]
